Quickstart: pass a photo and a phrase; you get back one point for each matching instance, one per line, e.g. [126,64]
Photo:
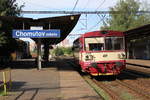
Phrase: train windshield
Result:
[94,44]
[104,43]
[114,43]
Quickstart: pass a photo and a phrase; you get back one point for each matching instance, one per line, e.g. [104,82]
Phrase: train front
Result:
[104,54]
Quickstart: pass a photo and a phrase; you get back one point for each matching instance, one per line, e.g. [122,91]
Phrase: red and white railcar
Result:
[101,52]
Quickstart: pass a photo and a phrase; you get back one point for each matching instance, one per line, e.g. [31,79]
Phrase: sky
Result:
[94,22]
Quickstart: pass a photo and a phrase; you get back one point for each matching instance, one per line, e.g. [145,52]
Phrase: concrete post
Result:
[39,63]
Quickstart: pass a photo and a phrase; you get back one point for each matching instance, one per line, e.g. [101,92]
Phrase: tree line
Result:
[128,18]
[7,43]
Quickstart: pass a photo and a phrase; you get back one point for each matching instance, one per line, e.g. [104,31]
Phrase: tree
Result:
[128,17]
[58,52]
[8,8]
[62,51]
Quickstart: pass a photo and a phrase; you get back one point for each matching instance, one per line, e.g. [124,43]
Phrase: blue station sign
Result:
[36,33]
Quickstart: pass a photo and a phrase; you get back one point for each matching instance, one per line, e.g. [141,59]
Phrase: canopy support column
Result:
[46,51]
[39,58]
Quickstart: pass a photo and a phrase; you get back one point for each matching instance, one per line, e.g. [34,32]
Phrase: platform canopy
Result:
[138,32]
[64,23]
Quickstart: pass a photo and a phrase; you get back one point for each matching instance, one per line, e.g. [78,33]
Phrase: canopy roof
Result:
[137,33]
[64,23]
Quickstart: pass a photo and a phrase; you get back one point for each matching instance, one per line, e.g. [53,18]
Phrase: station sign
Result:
[36,33]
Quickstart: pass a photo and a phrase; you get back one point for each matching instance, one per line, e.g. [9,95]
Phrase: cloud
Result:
[65,4]
[46,4]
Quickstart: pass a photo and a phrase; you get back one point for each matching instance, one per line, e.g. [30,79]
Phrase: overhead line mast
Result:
[77,12]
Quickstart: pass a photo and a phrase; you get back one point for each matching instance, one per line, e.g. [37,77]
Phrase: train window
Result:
[94,43]
[77,46]
[96,46]
[114,43]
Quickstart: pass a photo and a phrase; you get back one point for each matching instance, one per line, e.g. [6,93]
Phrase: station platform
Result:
[54,82]
[141,62]
[139,65]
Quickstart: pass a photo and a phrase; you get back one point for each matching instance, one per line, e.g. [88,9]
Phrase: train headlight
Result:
[122,56]
[105,55]
[89,57]
[86,57]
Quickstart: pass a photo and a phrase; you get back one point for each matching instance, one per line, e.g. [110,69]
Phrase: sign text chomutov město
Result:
[34,34]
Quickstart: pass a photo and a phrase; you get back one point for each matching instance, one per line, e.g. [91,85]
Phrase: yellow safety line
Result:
[4,80]
[10,81]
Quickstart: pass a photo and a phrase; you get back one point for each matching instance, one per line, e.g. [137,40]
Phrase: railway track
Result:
[114,95]
[139,84]
[111,93]
[135,89]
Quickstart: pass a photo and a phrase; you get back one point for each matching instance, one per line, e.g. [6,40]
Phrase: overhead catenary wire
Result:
[97,23]
[94,25]
[103,16]
[100,5]
[75,5]
[77,12]
[98,16]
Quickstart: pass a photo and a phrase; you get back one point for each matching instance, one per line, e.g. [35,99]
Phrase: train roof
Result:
[100,34]
[103,33]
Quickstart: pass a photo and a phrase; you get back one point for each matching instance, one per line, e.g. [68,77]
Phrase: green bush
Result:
[67,51]
[62,51]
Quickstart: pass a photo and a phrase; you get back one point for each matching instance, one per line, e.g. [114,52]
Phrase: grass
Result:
[97,89]
[127,96]
[2,93]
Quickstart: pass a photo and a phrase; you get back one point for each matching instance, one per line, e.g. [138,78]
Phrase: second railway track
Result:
[112,87]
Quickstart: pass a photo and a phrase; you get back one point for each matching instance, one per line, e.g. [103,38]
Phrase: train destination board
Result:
[36,33]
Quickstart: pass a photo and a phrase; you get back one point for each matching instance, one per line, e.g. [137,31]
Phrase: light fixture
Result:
[72,17]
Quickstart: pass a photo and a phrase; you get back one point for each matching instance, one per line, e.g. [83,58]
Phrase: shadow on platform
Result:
[22,89]
[32,64]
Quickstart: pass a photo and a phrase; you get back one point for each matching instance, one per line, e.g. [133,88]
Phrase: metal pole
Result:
[39,59]
[39,55]
[49,26]
[23,26]
[86,22]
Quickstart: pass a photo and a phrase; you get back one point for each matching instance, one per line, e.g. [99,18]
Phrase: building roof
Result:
[64,23]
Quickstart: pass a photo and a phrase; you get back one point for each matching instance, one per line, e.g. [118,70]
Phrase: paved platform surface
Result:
[139,62]
[52,83]
[139,65]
